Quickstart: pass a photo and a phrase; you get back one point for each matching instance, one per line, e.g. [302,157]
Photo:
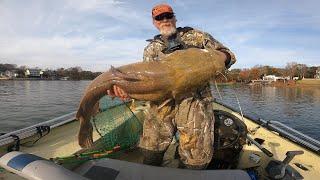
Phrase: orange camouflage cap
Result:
[160,9]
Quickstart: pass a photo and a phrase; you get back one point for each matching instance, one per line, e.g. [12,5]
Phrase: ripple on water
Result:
[296,107]
[24,103]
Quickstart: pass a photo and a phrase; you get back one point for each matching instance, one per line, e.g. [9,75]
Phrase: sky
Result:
[95,34]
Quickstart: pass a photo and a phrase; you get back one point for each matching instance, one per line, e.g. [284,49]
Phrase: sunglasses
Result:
[164,16]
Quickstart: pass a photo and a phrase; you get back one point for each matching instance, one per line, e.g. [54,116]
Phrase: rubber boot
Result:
[153,158]
[187,166]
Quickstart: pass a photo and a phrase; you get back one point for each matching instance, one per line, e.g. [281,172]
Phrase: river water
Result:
[297,107]
[24,103]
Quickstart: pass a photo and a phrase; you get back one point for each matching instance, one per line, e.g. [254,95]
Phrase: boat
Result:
[244,148]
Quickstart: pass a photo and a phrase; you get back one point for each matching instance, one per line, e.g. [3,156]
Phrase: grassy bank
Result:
[312,82]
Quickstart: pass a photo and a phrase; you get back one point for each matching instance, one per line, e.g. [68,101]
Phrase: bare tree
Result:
[302,70]
[291,69]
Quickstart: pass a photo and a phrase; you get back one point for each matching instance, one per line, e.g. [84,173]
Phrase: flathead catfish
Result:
[176,76]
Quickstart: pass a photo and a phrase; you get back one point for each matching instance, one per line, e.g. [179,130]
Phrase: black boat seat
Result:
[112,169]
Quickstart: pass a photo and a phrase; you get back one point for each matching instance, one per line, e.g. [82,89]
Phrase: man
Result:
[192,117]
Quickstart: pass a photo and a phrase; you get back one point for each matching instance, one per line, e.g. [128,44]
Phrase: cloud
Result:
[71,33]
[248,56]
[67,52]
[96,34]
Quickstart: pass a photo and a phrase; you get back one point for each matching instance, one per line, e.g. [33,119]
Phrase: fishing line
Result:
[234,92]
[216,85]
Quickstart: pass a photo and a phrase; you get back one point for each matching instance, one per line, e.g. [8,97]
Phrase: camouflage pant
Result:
[194,120]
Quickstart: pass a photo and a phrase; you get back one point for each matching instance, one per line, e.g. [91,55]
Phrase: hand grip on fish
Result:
[176,76]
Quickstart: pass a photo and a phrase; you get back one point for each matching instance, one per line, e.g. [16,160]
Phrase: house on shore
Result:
[33,73]
[269,79]
[8,74]
[317,76]
[274,78]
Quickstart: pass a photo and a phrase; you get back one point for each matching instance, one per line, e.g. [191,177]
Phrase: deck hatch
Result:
[22,160]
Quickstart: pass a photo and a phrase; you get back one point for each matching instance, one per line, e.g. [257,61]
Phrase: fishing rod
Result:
[264,150]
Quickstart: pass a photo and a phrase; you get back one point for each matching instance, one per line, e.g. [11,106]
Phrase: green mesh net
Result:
[118,127]
[116,124]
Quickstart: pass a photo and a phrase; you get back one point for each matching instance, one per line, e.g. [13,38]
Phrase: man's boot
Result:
[153,158]
[187,166]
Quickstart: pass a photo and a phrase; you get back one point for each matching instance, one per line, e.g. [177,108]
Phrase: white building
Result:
[37,73]
[274,78]
[269,78]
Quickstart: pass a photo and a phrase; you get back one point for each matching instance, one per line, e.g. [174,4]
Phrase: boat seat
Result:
[112,169]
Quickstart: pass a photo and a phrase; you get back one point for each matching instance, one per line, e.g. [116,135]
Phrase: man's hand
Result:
[118,92]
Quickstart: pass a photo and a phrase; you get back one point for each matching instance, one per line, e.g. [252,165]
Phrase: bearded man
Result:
[192,117]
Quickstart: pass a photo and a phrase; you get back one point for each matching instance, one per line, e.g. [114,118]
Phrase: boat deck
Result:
[62,141]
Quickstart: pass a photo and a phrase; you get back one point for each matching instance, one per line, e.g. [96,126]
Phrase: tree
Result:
[255,73]
[5,67]
[21,73]
[291,69]
[74,73]
[311,72]
[23,67]
[244,75]
[276,71]
[60,72]
[267,70]
[234,75]
[301,70]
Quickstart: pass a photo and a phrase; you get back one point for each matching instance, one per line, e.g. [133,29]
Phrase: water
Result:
[297,107]
[24,103]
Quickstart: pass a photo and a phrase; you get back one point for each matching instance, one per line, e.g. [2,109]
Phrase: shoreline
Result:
[292,83]
[309,82]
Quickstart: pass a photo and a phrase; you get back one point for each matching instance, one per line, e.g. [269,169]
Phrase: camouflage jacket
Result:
[189,37]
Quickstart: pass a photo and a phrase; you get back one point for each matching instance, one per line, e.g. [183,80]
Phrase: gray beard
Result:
[168,32]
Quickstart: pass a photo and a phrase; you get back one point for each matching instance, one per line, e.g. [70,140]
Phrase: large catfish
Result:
[176,76]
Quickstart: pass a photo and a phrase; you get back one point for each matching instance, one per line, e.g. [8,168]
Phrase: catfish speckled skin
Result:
[176,76]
